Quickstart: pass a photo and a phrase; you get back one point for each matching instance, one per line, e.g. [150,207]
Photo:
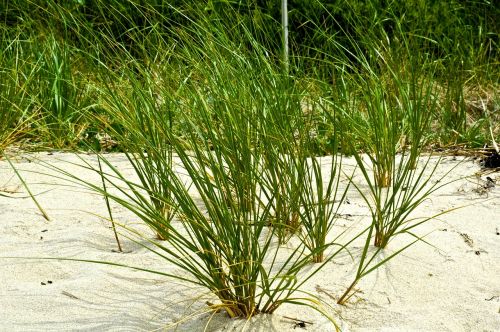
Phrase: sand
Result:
[451,282]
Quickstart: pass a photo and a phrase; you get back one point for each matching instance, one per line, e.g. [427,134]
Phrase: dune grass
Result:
[228,146]
[210,191]
[220,235]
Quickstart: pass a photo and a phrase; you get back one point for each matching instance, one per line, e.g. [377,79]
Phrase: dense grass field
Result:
[204,85]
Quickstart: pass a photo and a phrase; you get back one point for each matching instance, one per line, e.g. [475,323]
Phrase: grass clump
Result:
[215,178]
[396,104]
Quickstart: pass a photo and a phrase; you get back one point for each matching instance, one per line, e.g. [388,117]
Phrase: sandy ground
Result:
[450,283]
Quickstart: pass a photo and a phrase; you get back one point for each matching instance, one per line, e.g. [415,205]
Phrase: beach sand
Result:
[450,282]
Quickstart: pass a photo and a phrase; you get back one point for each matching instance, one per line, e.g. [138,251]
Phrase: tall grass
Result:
[320,203]
[397,99]
[285,157]
[63,42]
[15,116]
[214,177]
[143,120]
[225,144]
[62,96]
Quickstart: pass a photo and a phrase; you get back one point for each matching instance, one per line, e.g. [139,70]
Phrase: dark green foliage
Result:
[443,29]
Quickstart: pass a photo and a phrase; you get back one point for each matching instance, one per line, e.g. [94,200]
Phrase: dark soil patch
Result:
[492,161]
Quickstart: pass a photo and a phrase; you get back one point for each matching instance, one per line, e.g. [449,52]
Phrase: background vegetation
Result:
[56,56]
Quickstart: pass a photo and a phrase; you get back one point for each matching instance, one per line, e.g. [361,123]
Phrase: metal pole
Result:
[284,23]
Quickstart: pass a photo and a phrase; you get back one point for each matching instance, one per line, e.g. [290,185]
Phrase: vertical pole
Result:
[284,23]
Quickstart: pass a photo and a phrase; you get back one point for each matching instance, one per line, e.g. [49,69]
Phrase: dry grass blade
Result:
[42,211]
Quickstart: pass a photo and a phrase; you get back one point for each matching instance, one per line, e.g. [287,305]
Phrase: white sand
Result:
[453,285]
